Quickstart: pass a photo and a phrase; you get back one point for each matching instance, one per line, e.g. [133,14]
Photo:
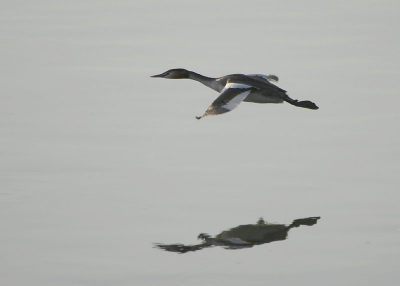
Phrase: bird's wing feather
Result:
[230,98]
[264,77]
[263,82]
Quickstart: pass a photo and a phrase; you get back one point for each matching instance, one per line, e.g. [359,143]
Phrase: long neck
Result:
[207,81]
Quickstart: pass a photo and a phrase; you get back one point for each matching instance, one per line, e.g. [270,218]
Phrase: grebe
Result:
[236,88]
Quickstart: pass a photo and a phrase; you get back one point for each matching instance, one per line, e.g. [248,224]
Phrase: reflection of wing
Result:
[230,98]
[180,248]
[238,246]
[232,243]
[236,240]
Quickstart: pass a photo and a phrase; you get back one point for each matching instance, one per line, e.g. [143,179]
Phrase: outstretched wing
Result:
[230,98]
[264,77]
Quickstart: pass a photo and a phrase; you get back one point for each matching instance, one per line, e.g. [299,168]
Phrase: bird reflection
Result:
[242,236]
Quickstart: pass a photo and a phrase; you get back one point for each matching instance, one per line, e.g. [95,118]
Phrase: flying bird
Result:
[235,88]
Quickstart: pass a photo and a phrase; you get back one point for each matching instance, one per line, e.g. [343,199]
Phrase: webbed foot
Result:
[307,104]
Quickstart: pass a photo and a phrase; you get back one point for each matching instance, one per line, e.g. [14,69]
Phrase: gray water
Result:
[99,161]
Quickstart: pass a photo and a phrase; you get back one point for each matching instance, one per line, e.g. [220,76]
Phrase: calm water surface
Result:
[101,164]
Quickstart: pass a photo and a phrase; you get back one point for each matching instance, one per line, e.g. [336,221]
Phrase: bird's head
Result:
[174,74]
